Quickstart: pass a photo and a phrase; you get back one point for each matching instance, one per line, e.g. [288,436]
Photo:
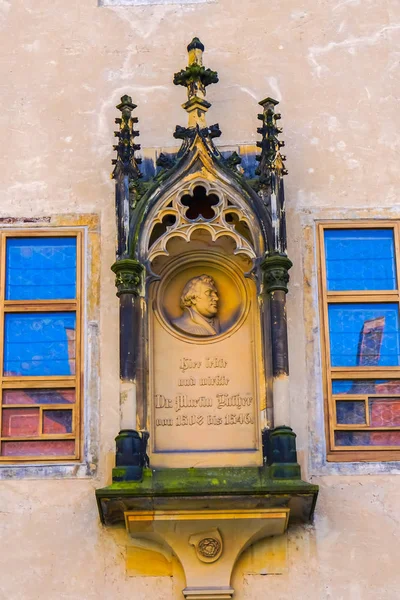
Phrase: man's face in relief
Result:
[206,300]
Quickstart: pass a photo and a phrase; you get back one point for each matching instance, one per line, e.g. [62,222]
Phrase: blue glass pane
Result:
[360,259]
[39,344]
[364,335]
[350,412]
[42,268]
[367,438]
[366,386]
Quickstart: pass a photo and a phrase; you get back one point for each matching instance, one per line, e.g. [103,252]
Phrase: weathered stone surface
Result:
[333,67]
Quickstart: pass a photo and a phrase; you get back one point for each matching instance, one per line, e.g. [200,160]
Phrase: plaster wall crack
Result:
[381,503]
[346,3]
[314,52]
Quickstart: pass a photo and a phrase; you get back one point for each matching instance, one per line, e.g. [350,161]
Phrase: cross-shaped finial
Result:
[196,78]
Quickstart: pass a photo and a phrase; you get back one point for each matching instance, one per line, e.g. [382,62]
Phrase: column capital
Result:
[275,268]
[129,276]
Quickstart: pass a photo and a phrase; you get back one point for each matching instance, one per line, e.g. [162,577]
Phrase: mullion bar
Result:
[362,298]
[380,449]
[344,293]
[365,373]
[45,406]
[78,411]
[326,363]
[397,254]
[36,458]
[40,381]
[41,438]
[32,307]
[39,232]
[359,224]
[359,427]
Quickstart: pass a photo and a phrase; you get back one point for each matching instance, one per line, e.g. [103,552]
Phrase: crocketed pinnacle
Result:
[126,162]
[196,78]
[271,160]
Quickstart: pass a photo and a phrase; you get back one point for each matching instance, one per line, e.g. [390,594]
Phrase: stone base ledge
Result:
[205,593]
[198,489]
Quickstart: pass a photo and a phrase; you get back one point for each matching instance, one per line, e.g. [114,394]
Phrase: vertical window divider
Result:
[326,374]
[367,417]
[397,257]
[41,422]
[78,415]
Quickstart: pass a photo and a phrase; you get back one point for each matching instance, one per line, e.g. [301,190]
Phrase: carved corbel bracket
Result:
[202,520]
[207,543]
[129,276]
[275,269]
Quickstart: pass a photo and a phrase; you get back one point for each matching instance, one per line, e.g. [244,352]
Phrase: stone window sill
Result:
[77,470]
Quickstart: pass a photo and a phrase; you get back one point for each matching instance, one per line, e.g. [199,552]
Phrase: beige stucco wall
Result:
[334,67]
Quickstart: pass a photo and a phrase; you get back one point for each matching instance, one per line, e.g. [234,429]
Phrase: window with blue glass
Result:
[359,287]
[41,350]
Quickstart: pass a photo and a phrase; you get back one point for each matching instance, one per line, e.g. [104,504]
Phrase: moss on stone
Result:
[187,482]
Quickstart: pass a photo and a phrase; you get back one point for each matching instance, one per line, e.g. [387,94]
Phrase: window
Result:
[41,345]
[359,285]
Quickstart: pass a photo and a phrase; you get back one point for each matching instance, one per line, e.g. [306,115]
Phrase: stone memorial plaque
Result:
[204,375]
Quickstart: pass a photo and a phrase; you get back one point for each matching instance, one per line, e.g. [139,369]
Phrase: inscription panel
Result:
[203,392]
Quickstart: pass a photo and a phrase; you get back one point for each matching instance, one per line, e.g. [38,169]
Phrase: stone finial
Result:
[196,78]
[195,44]
[126,162]
[126,172]
[271,160]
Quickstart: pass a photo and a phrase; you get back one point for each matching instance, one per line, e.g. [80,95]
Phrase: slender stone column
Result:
[129,278]
[128,272]
[275,269]
[131,448]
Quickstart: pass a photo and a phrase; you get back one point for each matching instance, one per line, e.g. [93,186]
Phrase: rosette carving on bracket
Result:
[208,545]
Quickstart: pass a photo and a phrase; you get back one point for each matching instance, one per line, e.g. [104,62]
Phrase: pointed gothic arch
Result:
[238,218]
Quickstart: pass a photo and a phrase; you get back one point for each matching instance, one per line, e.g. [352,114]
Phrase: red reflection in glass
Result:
[385,438]
[384,412]
[18,422]
[39,448]
[35,396]
[57,421]
[388,387]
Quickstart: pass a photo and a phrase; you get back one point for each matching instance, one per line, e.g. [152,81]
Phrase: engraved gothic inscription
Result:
[204,402]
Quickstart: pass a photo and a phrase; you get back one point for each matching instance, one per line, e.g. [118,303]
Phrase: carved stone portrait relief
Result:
[200,298]
[199,302]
